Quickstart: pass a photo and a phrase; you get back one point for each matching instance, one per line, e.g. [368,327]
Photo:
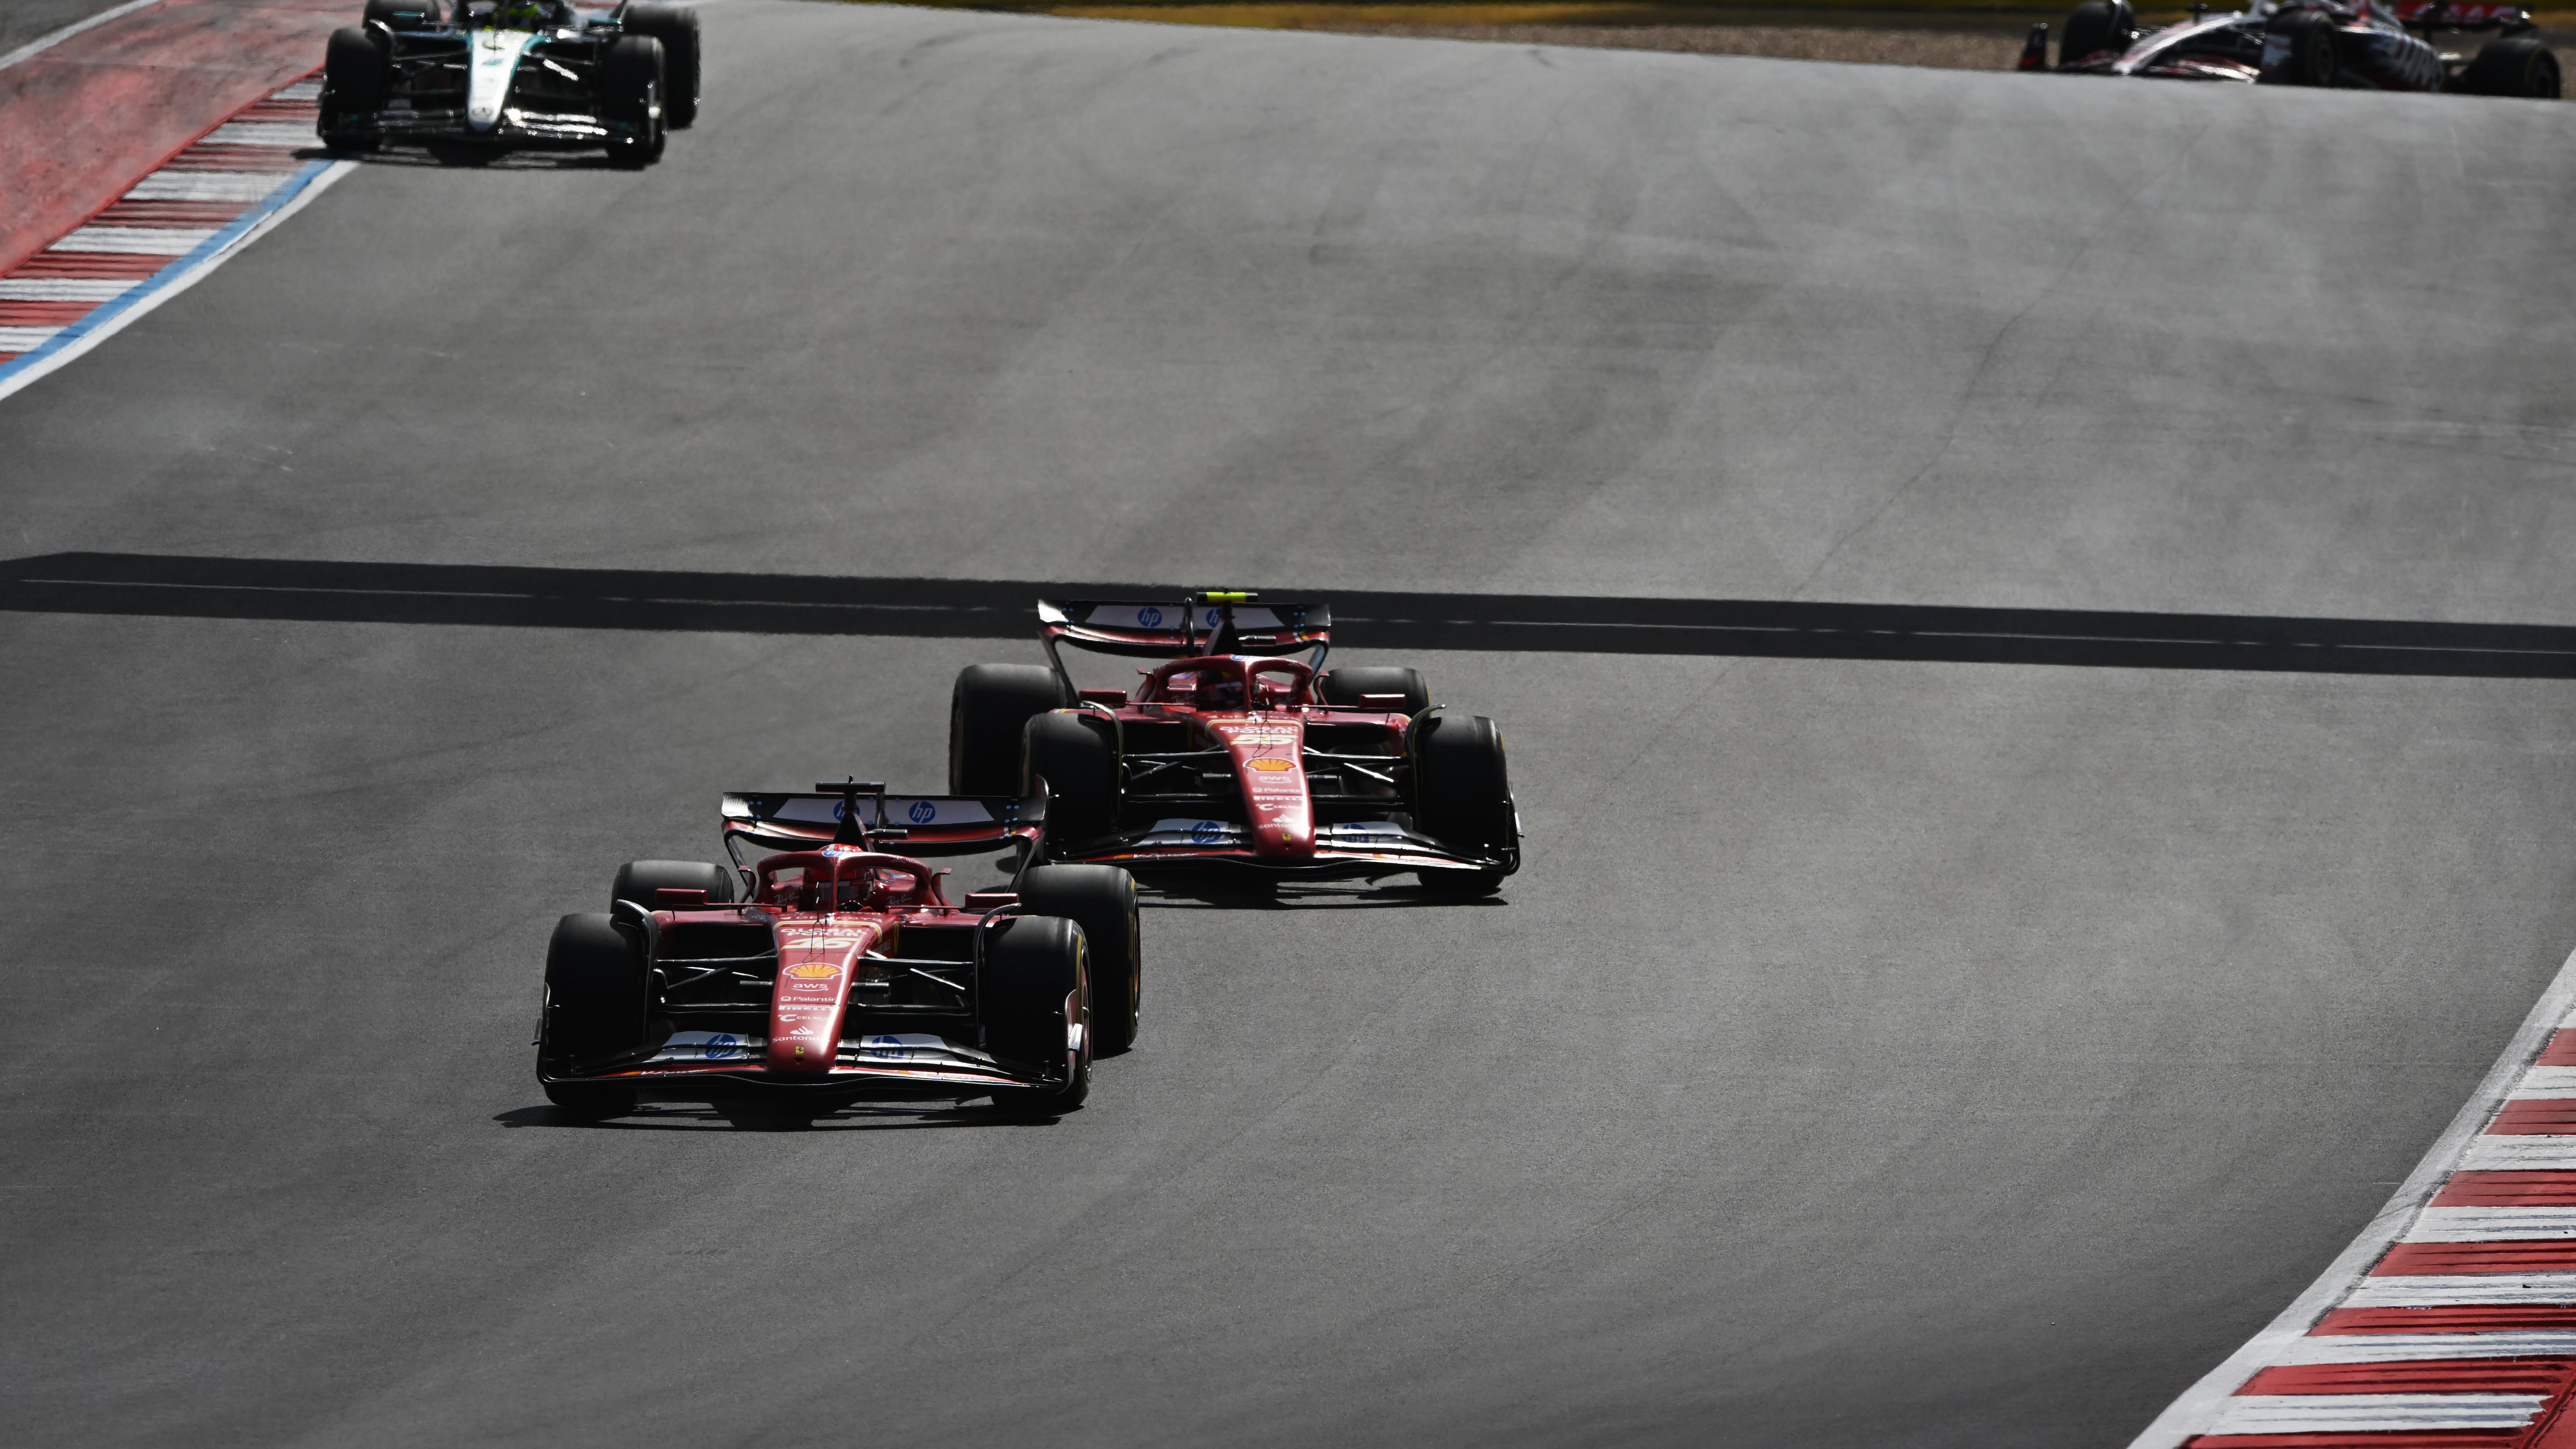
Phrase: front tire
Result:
[1101,899]
[2313,60]
[1032,994]
[356,68]
[633,79]
[1462,794]
[594,1007]
[988,711]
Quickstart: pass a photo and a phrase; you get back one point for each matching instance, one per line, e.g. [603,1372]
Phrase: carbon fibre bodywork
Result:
[458,75]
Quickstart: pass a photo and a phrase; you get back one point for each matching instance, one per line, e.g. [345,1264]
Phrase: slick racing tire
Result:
[2096,26]
[2517,65]
[1345,686]
[1031,995]
[676,26]
[594,1005]
[640,880]
[1463,796]
[632,82]
[1101,899]
[988,711]
[2313,60]
[355,70]
[1073,752]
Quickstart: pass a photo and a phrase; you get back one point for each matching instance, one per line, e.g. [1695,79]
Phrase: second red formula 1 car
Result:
[1231,755]
[819,970]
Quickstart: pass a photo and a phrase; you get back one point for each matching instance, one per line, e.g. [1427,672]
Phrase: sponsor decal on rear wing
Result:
[1183,628]
[925,824]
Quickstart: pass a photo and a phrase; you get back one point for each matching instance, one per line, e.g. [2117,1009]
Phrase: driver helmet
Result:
[519,14]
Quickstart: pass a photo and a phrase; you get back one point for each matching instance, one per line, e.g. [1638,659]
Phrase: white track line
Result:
[2204,1403]
[2492,1224]
[48,42]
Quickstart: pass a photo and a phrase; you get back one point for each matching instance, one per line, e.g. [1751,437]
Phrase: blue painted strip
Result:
[179,267]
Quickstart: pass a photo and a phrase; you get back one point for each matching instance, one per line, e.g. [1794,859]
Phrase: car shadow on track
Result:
[471,158]
[1228,895]
[687,1117]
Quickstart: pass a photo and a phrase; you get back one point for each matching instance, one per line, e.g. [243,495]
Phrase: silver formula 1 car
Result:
[512,73]
[2386,45]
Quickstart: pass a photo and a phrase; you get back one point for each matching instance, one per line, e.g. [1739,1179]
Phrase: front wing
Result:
[698,1066]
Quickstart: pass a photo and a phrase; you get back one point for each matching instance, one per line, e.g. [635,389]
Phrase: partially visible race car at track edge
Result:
[818,970]
[1233,756]
[2354,44]
[512,73]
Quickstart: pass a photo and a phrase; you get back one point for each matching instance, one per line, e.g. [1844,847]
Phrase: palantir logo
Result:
[1149,617]
[923,812]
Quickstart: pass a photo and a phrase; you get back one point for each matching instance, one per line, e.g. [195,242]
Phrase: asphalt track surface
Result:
[1874,1051]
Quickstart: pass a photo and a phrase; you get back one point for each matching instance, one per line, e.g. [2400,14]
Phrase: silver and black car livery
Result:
[512,73]
[2386,45]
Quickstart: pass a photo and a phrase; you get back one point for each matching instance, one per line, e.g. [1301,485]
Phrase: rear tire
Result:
[676,26]
[1345,686]
[355,69]
[594,1007]
[632,82]
[1462,793]
[2096,26]
[1101,899]
[988,712]
[1071,750]
[1031,995]
[2517,65]
[639,880]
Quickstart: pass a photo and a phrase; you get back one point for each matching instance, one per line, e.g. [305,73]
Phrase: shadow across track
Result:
[183,586]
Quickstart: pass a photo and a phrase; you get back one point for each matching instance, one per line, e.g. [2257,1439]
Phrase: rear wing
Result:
[1216,623]
[924,824]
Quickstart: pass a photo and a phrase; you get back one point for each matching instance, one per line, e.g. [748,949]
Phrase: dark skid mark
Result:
[173,586]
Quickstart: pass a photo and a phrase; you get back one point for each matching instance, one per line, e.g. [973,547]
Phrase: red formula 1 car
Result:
[819,970]
[2383,45]
[1232,755]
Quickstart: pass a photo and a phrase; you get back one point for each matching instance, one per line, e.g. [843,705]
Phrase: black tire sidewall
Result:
[1101,900]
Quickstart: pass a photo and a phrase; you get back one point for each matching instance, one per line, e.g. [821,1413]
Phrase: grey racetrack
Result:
[1873,1051]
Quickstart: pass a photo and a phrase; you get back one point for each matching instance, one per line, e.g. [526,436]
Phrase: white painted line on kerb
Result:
[204,186]
[2437,1290]
[2409,1347]
[48,42]
[261,133]
[2547,1082]
[25,339]
[66,289]
[2457,1148]
[2374,1413]
[2521,1154]
[295,190]
[136,241]
[2492,1224]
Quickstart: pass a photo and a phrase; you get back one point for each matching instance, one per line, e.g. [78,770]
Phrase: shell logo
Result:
[1270,766]
[813,971]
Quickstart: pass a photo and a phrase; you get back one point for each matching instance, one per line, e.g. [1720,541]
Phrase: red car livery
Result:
[819,969]
[1231,754]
